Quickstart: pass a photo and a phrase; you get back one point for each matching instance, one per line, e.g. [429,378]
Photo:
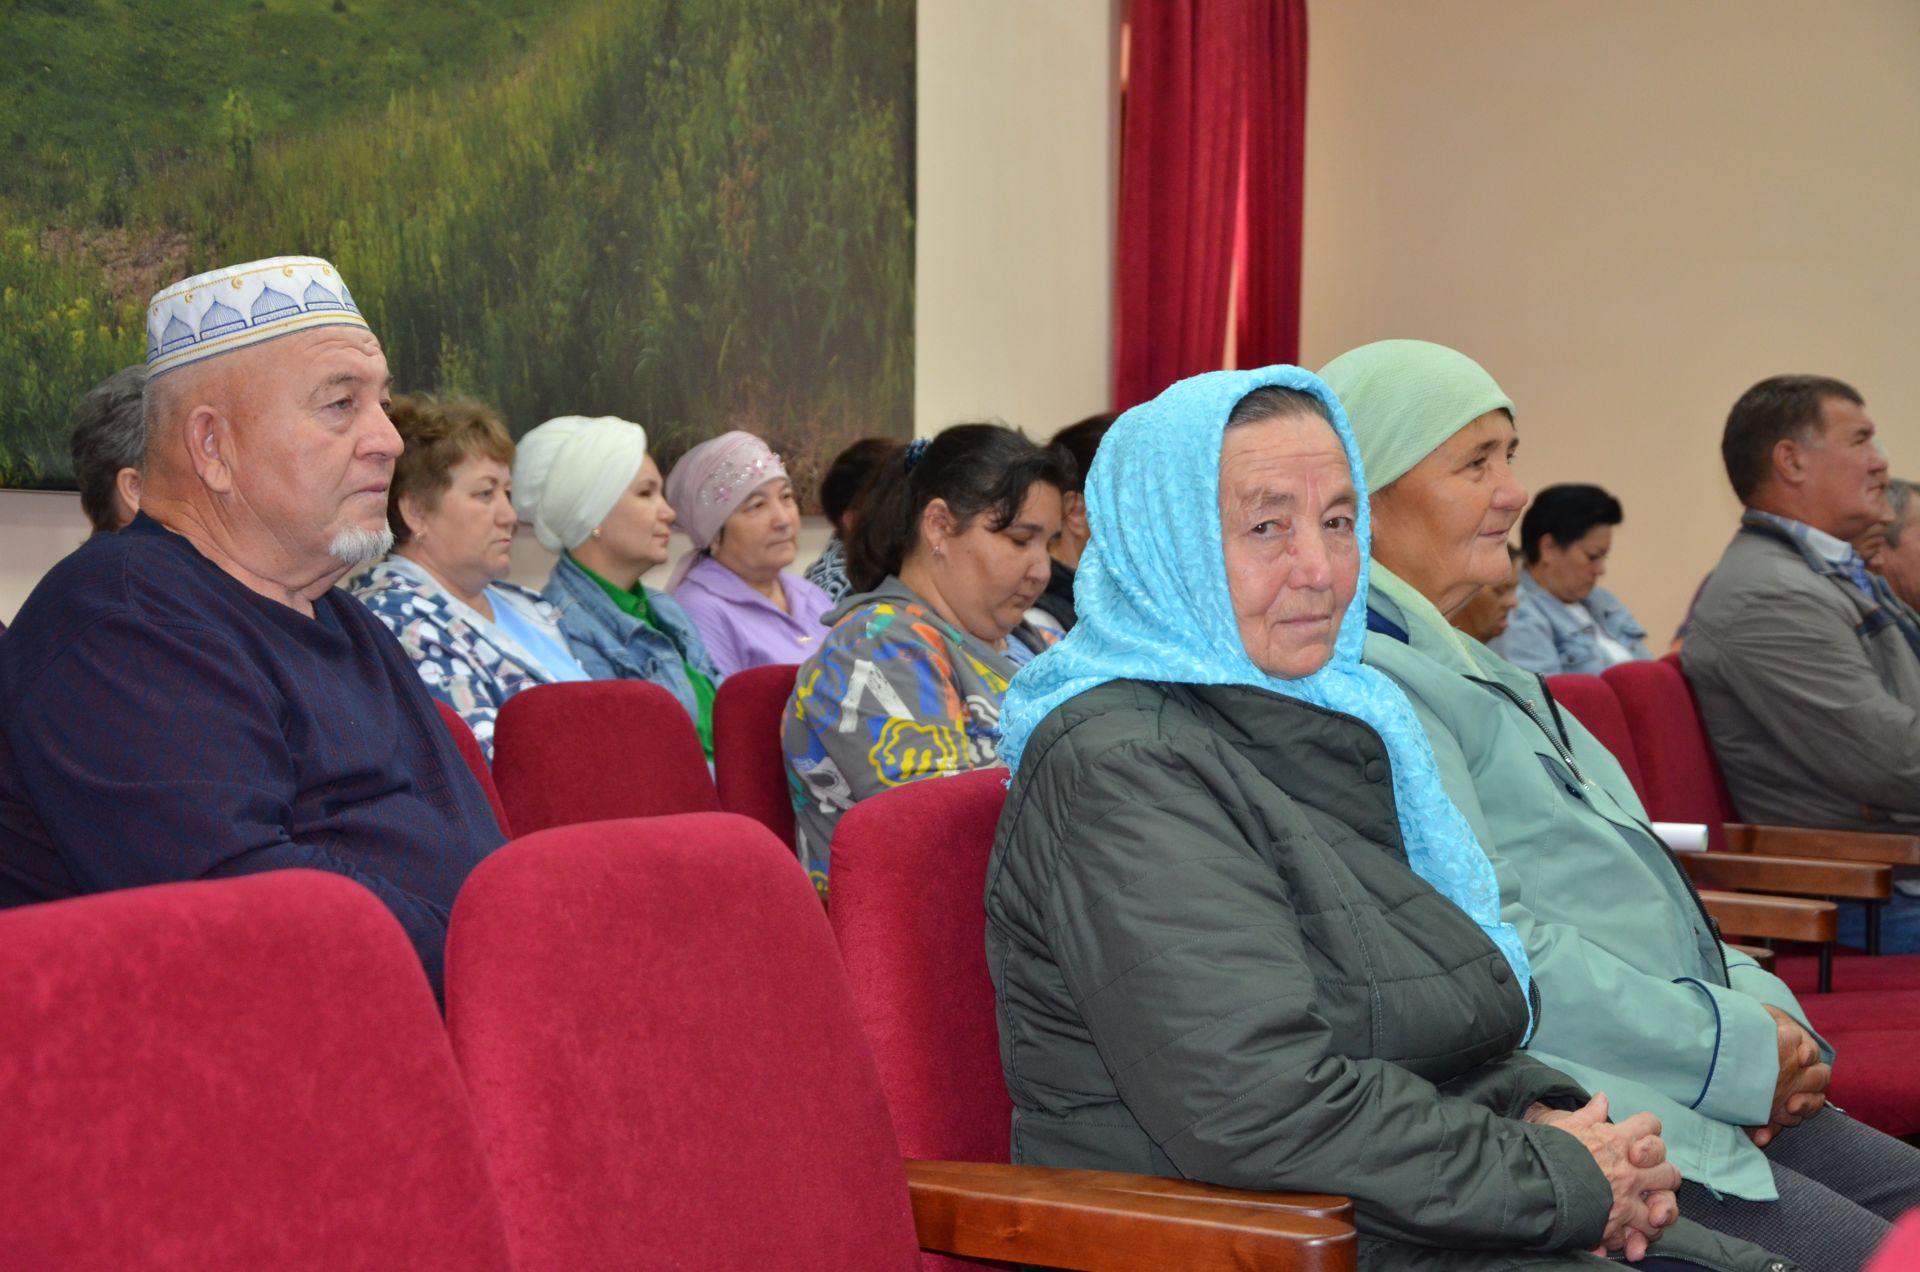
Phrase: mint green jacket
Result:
[1639,999]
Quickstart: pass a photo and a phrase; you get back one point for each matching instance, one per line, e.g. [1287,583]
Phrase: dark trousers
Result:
[1841,1186]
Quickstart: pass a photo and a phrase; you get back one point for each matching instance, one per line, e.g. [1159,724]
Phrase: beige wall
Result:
[1629,212]
[1014,246]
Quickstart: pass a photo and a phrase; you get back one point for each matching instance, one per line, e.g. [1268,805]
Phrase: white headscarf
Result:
[570,472]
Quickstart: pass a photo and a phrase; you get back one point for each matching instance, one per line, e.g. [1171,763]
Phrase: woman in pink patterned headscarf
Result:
[732,497]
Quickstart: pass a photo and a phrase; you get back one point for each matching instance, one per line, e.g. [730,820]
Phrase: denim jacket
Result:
[1550,638]
[466,662]
[613,645]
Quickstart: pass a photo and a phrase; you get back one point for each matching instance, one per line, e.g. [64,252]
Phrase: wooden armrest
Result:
[1758,953]
[1835,845]
[1782,918]
[1067,1219]
[1804,876]
[1321,1205]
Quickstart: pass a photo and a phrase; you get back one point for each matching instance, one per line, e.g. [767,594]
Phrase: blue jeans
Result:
[1899,925]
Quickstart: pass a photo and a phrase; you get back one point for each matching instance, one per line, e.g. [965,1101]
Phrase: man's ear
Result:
[1788,462]
[209,437]
[126,486]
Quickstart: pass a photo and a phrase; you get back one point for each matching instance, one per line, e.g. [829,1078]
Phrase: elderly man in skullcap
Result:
[192,698]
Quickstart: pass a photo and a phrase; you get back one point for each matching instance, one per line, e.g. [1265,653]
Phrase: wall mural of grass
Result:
[693,213]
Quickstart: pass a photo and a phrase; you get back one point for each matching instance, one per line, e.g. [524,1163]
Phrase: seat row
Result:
[651,1057]
[577,752]
[599,749]
[1866,1004]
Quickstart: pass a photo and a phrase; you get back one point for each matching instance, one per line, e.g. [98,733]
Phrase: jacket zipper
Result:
[1559,738]
[1564,746]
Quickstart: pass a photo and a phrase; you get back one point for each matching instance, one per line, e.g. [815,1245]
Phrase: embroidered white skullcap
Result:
[241,305]
[569,473]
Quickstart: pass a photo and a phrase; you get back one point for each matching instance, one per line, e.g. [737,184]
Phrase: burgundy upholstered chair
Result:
[1682,779]
[909,871]
[476,762]
[242,1073]
[1684,784]
[1593,703]
[591,750]
[749,761]
[668,1071]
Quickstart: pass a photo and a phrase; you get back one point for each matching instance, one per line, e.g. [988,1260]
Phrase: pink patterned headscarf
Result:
[712,480]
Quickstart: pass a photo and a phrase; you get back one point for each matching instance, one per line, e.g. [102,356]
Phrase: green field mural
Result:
[697,214]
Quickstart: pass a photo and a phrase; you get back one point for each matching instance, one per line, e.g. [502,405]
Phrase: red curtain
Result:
[1213,130]
[1274,186]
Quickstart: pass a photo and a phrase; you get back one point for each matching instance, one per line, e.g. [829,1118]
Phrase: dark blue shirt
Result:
[160,721]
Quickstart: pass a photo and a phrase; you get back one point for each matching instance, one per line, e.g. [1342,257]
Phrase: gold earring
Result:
[596,532]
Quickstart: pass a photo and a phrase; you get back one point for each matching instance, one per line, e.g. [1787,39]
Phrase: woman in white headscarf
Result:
[594,495]
[734,500]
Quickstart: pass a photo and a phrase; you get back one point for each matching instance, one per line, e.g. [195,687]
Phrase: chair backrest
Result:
[749,760]
[242,1073]
[1683,780]
[664,1059]
[1593,703]
[469,747]
[909,872]
[592,750]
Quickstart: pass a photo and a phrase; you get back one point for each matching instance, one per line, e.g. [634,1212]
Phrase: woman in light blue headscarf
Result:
[1238,932]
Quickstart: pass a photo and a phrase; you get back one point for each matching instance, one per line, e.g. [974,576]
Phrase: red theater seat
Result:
[476,762]
[592,750]
[749,762]
[668,1071]
[1592,702]
[1683,782]
[246,1073]
[909,872]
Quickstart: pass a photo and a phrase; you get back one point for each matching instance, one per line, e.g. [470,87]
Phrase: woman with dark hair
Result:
[1565,621]
[1076,444]
[840,487]
[950,551]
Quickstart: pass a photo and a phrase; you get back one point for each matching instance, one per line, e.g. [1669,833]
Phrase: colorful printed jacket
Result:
[466,662]
[895,694]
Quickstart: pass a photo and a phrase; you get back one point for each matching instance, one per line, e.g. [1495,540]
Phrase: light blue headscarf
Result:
[1152,604]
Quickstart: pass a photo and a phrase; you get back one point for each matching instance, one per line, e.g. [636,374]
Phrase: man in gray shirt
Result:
[1807,668]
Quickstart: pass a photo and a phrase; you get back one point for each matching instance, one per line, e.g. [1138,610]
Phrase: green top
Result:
[633,601]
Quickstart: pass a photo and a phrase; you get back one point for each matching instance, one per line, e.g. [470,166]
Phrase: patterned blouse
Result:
[467,662]
[895,694]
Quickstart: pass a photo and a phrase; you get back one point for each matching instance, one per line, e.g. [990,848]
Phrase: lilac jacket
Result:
[744,629]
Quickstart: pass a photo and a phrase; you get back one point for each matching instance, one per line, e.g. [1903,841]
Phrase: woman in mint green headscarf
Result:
[1646,1003]
[1237,930]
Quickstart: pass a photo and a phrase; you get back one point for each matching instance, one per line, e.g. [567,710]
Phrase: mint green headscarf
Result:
[1404,399]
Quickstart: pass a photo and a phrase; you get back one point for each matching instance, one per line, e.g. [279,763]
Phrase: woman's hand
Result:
[1801,1090]
[1634,1160]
